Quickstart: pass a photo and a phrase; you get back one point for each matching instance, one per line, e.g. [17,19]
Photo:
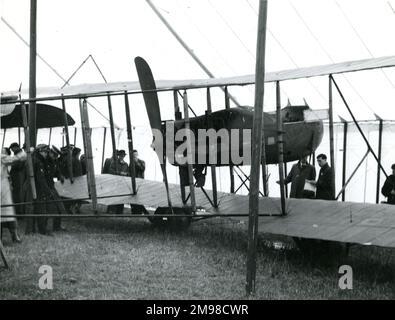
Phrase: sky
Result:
[222,34]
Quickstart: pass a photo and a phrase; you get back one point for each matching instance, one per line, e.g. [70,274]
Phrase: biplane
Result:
[368,224]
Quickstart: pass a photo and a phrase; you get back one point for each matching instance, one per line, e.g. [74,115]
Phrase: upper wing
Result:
[163,85]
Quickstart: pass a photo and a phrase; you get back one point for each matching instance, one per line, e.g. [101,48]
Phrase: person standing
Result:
[107,165]
[53,167]
[139,168]
[388,189]
[298,175]
[325,184]
[46,193]
[17,176]
[120,167]
[76,163]
[139,165]
[7,214]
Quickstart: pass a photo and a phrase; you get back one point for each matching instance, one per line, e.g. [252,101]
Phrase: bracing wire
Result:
[232,30]
[362,41]
[206,38]
[327,54]
[50,66]
[287,53]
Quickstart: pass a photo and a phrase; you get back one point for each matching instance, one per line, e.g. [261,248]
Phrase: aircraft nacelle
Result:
[230,129]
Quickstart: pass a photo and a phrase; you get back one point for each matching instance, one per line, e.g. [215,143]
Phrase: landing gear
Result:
[176,219]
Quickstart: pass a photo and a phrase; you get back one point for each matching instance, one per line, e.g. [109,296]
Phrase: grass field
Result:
[129,259]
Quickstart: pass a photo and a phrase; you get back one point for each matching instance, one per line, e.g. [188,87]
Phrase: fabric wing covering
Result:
[162,85]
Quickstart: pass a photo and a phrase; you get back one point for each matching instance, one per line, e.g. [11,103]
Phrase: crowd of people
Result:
[48,164]
[118,166]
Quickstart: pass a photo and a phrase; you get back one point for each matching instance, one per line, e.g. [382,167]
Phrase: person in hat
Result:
[121,168]
[45,189]
[118,166]
[388,189]
[53,167]
[71,207]
[298,175]
[7,214]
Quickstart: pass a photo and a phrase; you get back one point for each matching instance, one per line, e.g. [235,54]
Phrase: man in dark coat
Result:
[76,165]
[139,165]
[53,167]
[44,188]
[388,189]
[325,184]
[298,175]
[120,167]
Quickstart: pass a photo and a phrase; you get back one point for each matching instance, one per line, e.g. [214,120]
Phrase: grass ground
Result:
[129,259]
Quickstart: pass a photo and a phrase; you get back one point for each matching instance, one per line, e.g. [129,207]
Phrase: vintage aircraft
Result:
[301,137]
[326,220]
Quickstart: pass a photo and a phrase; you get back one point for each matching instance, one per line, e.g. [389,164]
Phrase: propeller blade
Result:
[147,84]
